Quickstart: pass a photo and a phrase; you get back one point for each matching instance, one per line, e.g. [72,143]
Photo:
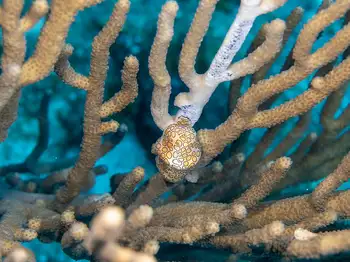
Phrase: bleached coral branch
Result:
[201,87]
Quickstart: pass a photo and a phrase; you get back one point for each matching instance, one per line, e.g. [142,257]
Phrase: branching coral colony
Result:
[288,227]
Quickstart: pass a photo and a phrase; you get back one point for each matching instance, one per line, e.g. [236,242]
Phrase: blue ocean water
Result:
[63,118]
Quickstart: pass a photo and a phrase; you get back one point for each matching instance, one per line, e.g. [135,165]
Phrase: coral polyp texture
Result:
[202,86]
[76,169]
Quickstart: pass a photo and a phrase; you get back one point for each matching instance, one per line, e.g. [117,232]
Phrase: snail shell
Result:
[179,147]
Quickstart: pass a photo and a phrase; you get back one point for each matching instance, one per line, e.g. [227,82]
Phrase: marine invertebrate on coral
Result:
[228,208]
[178,146]
[202,86]
[245,115]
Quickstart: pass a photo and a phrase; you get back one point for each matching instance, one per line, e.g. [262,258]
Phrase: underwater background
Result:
[55,110]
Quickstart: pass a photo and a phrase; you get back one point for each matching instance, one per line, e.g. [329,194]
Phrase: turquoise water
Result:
[47,132]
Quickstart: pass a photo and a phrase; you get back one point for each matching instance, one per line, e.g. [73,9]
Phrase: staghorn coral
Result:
[246,222]
[202,86]
[246,116]
[95,109]
[304,146]
[37,67]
